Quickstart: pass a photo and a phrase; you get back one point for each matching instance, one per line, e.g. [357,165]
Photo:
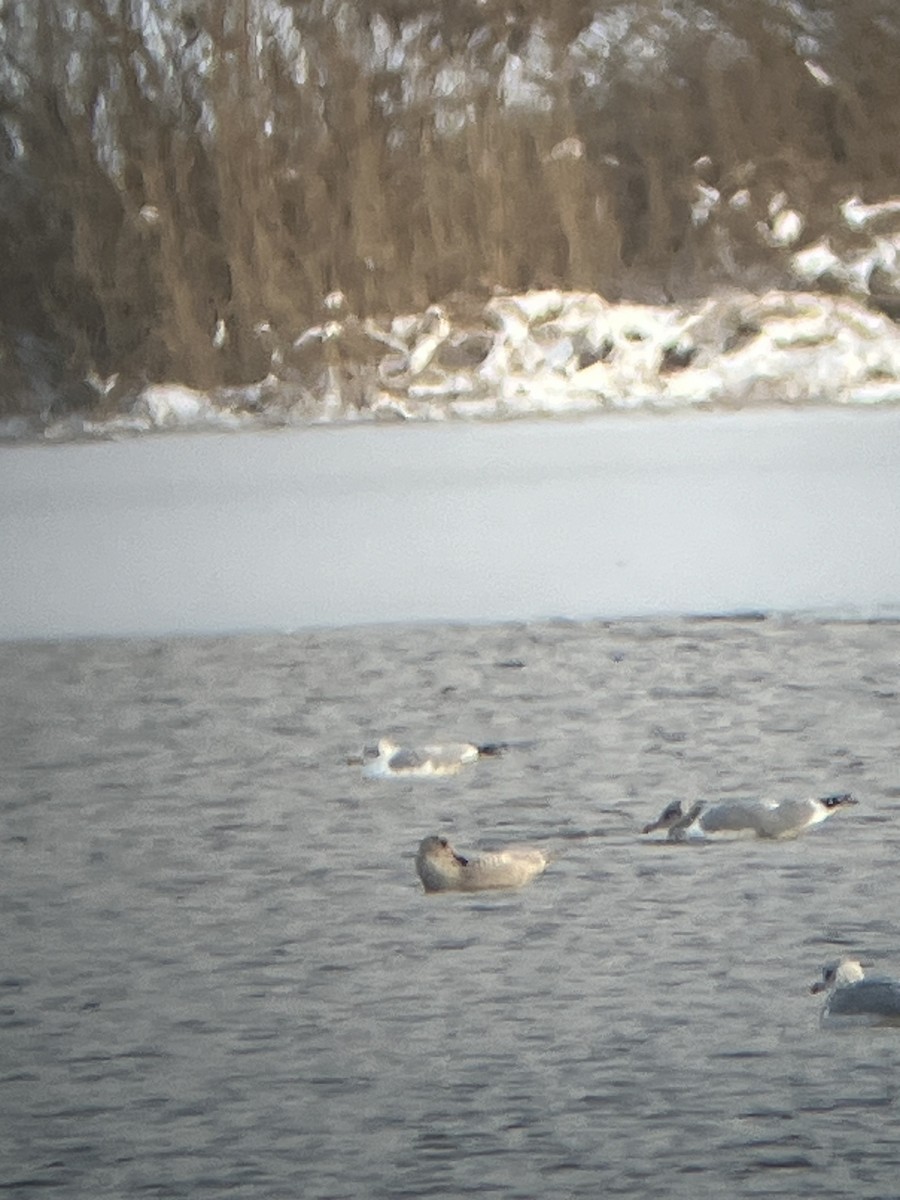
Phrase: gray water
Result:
[221,977]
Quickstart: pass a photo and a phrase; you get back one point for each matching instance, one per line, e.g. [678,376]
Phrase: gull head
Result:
[838,974]
[838,800]
[669,816]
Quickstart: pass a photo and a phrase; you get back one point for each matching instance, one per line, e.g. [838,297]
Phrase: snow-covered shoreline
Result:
[545,353]
[827,339]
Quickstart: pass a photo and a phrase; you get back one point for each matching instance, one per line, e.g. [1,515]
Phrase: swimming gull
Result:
[442,869]
[747,818]
[446,759]
[851,993]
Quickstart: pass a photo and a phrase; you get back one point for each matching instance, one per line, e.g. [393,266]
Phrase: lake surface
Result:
[221,977]
[617,516]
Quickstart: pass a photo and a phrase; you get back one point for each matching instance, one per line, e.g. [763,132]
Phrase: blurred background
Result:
[184,183]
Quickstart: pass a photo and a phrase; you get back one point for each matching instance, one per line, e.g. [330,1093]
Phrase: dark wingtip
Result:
[489,749]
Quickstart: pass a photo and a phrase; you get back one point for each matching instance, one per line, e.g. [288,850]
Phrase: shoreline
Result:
[544,354]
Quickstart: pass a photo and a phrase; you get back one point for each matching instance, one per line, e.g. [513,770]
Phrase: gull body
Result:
[855,997]
[442,869]
[748,818]
[445,759]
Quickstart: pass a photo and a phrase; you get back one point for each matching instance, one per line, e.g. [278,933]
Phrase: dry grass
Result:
[230,169]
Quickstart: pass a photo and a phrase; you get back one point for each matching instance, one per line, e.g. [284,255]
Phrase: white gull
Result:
[748,818]
[442,869]
[853,994]
[445,759]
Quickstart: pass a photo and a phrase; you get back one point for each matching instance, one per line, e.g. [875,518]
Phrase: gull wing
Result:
[874,997]
[738,816]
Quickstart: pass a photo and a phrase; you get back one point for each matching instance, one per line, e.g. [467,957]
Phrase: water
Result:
[621,516]
[221,977]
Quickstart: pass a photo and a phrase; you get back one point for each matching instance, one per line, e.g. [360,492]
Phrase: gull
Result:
[747,818]
[447,759]
[441,869]
[875,999]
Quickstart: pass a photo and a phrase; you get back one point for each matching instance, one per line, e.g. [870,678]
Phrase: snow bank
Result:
[548,353]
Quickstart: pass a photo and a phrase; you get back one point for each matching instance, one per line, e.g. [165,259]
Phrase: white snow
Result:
[553,352]
[549,352]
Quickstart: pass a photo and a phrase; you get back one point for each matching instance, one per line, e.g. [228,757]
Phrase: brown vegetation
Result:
[173,184]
